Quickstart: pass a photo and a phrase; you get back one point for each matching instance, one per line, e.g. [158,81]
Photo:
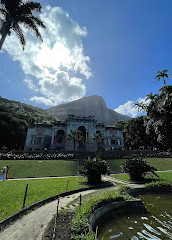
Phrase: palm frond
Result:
[11,5]
[32,6]
[21,12]
[19,33]
[29,23]
[37,21]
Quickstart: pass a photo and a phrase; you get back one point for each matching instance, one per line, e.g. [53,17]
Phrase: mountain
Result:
[88,106]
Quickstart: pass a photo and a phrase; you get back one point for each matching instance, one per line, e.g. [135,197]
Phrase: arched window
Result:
[83,134]
[60,137]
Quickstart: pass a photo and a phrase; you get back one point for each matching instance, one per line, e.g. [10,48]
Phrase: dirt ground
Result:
[62,227]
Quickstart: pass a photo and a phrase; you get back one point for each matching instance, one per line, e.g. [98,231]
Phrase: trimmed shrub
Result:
[137,168]
[93,169]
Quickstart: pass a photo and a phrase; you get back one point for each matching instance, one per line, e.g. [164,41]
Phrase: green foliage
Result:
[162,74]
[160,185]
[155,129]
[137,168]
[159,114]
[120,124]
[93,169]
[80,223]
[14,120]
[74,136]
[99,139]
[135,135]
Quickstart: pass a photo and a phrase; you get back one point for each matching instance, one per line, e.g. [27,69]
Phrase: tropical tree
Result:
[120,125]
[98,138]
[162,75]
[74,136]
[159,114]
[19,12]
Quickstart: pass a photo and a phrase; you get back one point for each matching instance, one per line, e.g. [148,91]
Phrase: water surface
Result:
[154,225]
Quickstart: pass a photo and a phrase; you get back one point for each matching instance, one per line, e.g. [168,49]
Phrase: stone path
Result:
[117,181]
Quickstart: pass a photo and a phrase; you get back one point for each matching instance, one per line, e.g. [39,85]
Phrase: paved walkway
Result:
[32,225]
[117,181]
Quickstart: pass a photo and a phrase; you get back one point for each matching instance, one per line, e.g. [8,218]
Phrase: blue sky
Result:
[109,48]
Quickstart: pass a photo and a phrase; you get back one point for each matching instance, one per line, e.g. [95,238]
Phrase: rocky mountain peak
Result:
[88,106]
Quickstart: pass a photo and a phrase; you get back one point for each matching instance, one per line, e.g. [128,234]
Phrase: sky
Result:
[110,48]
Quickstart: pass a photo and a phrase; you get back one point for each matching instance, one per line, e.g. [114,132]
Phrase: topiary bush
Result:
[93,169]
[137,168]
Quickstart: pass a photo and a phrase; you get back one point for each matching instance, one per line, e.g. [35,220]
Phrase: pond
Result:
[156,224]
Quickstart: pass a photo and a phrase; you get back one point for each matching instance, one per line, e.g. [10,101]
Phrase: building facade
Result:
[54,136]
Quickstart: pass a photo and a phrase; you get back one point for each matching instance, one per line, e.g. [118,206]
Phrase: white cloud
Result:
[129,108]
[30,84]
[56,68]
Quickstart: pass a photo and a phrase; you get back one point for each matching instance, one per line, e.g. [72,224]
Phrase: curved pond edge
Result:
[116,208]
[120,208]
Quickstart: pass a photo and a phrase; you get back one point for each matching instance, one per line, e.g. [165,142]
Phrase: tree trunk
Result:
[4,31]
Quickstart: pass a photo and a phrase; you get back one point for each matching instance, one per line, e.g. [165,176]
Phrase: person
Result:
[7,169]
[3,175]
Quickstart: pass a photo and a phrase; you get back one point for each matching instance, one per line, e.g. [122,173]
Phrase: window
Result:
[36,140]
[118,141]
[113,142]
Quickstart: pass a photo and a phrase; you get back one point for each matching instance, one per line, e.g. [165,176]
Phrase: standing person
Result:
[3,175]
[7,169]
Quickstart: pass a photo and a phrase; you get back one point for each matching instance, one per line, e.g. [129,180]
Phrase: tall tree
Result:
[162,75]
[98,138]
[19,12]
[74,136]
[135,135]
[159,113]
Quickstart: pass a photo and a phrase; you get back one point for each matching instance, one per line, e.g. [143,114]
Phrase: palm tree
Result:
[162,74]
[98,138]
[16,12]
[149,96]
[74,136]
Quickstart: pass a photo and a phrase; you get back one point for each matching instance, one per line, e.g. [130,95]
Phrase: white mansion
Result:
[54,136]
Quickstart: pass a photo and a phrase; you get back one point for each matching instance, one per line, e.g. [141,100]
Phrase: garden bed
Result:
[63,227]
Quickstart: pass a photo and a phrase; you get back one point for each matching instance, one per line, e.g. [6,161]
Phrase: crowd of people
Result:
[35,156]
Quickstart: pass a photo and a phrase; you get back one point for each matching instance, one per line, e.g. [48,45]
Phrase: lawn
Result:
[167,176]
[160,163]
[12,192]
[47,168]
[44,168]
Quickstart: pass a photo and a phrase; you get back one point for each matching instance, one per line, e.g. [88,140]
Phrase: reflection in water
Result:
[154,225]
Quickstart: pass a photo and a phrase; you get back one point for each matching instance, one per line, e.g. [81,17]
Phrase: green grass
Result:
[12,192]
[46,168]
[115,165]
[166,176]
[122,176]
[35,168]
[160,163]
